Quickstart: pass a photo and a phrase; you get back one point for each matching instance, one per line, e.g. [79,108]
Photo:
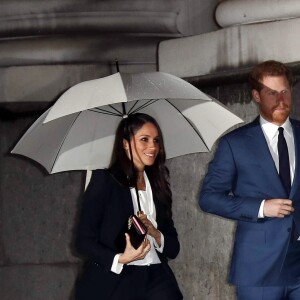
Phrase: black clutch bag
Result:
[136,230]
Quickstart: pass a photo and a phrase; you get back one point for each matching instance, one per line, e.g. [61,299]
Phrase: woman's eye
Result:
[144,139]
[156,141]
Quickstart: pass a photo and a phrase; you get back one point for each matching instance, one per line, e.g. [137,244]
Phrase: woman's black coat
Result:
[106,206]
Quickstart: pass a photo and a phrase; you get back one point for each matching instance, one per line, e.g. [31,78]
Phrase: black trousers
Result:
[147,283]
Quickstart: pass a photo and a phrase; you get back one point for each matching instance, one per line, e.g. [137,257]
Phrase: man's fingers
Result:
[287,208]
[287,202]
[278,208]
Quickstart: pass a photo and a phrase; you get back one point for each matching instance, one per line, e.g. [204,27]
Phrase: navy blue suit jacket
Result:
[106,206]
[239,177]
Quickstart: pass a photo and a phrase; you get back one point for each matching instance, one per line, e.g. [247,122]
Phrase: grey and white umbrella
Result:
[77,132]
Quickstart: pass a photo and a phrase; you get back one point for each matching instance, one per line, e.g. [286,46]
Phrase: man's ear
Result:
[255,96]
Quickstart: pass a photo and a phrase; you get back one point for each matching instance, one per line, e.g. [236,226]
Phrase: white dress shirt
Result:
[270,131]
[148,207]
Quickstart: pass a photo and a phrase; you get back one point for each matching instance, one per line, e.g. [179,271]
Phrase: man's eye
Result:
[272,93]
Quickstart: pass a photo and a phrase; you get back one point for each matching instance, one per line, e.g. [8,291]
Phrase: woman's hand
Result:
[131,254]
[151,230]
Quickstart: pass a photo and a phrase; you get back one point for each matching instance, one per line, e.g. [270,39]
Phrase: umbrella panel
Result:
[123,87]
[159,85]
[42,143]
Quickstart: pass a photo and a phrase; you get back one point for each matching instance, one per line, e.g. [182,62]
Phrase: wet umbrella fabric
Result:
[77,132]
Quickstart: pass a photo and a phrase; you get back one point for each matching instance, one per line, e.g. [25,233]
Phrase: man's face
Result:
[275,99]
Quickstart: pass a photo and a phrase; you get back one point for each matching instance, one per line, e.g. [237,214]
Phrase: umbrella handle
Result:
[117,65]
[130,150]
[134,171]
[135,182]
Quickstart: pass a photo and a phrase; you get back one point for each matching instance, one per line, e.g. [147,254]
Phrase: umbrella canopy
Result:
[77,132]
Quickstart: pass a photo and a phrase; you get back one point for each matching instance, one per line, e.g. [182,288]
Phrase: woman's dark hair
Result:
[158,173]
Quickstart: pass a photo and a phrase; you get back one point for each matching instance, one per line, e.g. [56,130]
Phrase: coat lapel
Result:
[120,177]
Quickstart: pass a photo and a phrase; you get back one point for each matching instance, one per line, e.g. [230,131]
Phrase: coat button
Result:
[289,229]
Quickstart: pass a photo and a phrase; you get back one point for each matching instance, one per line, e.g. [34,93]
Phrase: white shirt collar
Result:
[271,130]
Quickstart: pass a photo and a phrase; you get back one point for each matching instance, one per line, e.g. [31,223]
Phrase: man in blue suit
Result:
[245,183]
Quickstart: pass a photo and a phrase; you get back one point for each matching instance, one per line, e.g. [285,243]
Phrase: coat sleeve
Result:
[92,211]
[166,226]
[171,242]
[218,195]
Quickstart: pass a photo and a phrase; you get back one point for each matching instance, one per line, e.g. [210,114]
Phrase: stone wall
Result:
[37,217]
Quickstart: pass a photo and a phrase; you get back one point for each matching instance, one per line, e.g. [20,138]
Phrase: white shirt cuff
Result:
[261,210]
[116,266]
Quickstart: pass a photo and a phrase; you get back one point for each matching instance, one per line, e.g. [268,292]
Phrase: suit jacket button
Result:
[289,229]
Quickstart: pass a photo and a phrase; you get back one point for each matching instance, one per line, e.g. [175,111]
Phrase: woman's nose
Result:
[152,144]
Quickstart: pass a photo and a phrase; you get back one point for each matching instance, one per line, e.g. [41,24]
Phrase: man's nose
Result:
[280,97]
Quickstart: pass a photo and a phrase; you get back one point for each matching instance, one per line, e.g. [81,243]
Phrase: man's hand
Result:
[278,208]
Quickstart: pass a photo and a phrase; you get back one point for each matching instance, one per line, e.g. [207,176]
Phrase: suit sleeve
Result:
[219,190]
[92,211]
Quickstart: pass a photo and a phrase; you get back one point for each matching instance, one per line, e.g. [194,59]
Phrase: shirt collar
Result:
[271,130]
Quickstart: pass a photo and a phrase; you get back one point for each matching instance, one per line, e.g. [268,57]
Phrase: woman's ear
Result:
[256,96]
[125,144]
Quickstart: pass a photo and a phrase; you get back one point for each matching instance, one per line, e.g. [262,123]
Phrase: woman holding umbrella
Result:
[114,268]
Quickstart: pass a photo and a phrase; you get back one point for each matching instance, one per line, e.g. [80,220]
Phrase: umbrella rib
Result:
[130,110]
[118,112]
[105,112]
[144,105]
[64,141]
[189,123]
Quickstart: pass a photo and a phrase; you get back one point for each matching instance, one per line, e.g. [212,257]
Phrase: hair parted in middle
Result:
[158,173]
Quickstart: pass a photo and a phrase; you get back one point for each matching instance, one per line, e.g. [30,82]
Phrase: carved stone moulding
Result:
[102,22]
[233,48]
[237,12]
[27,18]
[78,49]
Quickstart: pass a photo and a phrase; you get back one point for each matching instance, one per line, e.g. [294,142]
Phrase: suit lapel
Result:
[258,141]
[296,131]
[257,138]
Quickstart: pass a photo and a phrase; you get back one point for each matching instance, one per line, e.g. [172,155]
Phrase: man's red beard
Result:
[279,116]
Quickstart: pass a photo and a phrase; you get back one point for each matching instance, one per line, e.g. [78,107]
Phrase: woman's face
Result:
[145,146]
